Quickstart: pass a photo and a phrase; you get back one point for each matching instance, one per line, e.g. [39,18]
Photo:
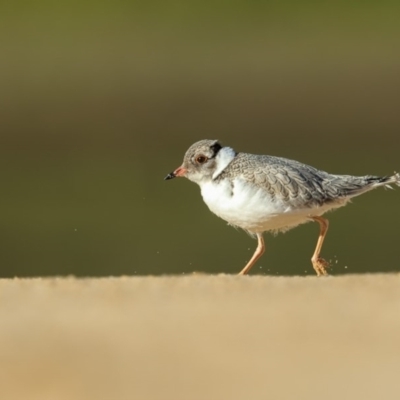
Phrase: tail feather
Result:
[394,179]
[385,181]
[351,186]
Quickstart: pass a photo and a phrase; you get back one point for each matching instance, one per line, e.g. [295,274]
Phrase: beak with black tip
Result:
[171,175]
[181,171]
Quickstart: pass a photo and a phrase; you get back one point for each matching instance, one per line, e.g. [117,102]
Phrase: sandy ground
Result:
[200,337]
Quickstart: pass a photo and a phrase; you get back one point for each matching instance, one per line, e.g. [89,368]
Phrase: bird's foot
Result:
[320,266]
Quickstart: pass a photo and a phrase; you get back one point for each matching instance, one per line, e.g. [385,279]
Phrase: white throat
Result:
[223,159]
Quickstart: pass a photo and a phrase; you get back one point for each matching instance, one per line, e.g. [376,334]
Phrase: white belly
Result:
[253,209]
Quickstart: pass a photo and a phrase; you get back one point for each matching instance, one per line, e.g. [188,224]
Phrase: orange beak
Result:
[178,172]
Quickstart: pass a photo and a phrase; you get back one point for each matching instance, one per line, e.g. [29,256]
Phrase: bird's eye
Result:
[201,159]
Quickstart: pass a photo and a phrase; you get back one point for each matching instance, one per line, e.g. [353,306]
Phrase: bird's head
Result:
[204,161]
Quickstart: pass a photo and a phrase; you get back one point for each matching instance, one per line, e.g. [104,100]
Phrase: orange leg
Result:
[257,254]
[319,263]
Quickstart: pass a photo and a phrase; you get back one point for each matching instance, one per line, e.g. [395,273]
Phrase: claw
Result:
[320,266]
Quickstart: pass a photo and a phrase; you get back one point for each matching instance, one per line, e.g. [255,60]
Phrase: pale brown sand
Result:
[200,337]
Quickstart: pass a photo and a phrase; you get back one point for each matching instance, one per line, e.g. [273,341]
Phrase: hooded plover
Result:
[264,193]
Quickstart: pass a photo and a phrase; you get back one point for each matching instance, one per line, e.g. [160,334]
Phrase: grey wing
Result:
[296,183]
[305,186]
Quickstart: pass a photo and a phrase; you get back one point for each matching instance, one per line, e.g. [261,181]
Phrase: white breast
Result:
[249,207]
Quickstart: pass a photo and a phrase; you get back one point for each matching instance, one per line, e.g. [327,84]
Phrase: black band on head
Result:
[216,147]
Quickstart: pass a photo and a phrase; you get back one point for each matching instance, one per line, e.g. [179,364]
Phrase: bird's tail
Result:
[394,179]
[351,186]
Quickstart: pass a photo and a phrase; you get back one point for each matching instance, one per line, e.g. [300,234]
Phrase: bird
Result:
[264,193]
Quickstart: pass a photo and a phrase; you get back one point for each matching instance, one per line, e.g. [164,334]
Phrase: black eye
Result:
[201,159]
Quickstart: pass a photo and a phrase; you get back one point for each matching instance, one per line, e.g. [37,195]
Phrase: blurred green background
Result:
[100,100]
